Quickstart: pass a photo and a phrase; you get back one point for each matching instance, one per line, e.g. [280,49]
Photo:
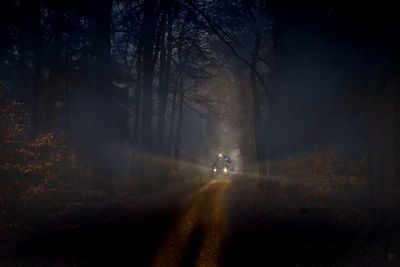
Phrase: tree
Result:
[164,79]
[148,35]
[102,134]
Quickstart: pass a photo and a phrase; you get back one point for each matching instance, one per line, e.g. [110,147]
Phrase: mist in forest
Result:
[188,132]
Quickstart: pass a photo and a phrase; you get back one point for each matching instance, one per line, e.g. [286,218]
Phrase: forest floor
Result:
[236,221]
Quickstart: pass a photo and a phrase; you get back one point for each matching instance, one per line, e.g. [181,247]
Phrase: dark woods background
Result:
[113,76]
[110,93]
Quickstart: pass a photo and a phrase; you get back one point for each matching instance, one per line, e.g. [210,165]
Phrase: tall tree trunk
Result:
[179,126]
[161,88]
[257,122]
[66,118]
[23,86]
[102,134]
[164,81]
[55,84]
[148,37]
[279,124]
[177,86]
[181,102]
[30,54]
[37,74]
[138,94]
[148,32]
[159,34]
[172,120]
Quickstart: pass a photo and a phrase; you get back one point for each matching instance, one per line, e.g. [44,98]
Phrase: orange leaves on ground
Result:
[322,171]
[66,209]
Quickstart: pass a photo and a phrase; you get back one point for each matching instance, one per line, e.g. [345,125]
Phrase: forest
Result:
[112,112]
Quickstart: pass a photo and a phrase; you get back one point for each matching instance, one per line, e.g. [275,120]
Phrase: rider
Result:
[221,162]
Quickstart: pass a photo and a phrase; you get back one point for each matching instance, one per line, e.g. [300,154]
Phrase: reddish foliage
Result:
[30,167]
[325,172]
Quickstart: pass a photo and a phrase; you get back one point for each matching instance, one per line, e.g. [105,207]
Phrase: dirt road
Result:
[235,221]
[195,239]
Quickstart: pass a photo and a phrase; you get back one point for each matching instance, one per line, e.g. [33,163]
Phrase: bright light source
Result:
[225,170]
[220,155]
[215,169]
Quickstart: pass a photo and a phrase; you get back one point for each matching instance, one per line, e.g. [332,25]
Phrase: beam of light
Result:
[168,160]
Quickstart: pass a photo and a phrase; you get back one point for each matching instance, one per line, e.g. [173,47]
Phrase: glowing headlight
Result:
[215,169]
[225,170]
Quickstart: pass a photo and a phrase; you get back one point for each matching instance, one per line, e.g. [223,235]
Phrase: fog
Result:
[188,133]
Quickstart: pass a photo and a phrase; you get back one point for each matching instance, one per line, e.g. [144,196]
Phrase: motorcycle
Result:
[222,166]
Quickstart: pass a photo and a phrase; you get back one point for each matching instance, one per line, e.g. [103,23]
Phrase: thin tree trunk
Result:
[54,87]
[37,76]
[257,122]
[148,42]
[164,82]
[66,93]
[138,95]
[172,121]
[177,86]
[161,88]
[148,37]
[23,85]
[179,126]
[159,33]
[102,134]
[279,109]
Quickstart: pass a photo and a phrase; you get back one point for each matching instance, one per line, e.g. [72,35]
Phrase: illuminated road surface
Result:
[195,239]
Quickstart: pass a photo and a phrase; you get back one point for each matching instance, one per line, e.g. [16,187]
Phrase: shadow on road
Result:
[191,253]
[124,241]
[195,239]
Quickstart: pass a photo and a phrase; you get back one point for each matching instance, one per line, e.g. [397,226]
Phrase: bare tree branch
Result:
[236,54]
